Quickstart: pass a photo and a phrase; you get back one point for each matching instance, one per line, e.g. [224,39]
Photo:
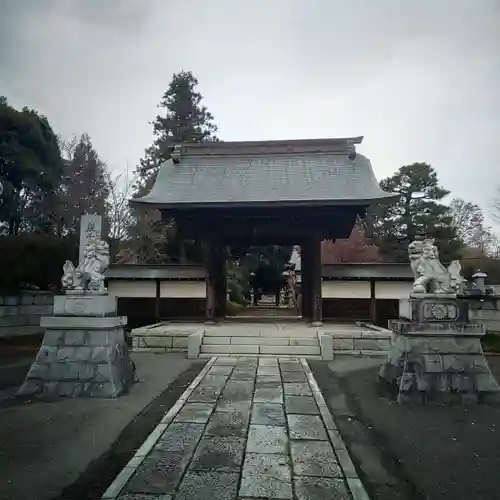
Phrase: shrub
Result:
[233,309]
[236,292]
[32,260]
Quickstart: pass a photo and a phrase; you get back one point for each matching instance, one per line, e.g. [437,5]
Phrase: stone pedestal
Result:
[436,359]
[84,351]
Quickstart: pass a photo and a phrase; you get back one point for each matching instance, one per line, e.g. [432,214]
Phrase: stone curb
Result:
[354,483]
[117,485]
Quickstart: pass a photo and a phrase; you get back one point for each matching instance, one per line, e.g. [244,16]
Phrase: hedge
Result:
[31,260]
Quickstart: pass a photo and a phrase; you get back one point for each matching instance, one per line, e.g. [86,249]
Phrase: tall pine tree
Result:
[419,211]
[184,120]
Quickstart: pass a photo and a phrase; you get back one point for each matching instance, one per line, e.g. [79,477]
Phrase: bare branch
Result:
[117,206]
[496,206]
[67,146]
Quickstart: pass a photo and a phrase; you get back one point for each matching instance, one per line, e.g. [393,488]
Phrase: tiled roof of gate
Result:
[270,172]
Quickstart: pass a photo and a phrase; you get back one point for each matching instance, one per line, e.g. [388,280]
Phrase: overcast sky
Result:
[420,79]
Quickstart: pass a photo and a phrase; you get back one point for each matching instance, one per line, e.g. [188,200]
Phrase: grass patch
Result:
[491,342]
[22,346]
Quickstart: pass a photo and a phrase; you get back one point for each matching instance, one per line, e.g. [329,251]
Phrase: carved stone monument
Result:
[436,355]
[90,230]
[84,350]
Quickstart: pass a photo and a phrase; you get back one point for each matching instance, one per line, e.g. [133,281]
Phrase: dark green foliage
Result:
[419,211]
[34,259]
[185,120]
[30,169]
[236,291]
[237,282]
[267,265]
[234,308]
[491,342]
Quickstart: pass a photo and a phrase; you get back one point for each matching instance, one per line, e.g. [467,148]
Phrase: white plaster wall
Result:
[392,289]
[183,289]
[346,290]
[132,288]
[404,308]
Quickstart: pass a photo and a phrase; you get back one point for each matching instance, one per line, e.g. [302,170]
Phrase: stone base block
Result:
[194,345]
[81,360]
[428,307]
[326,346]
[445,368]
[85,305]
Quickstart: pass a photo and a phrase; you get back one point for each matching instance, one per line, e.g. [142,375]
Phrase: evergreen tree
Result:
[30,169]
[419,211]
[184,120]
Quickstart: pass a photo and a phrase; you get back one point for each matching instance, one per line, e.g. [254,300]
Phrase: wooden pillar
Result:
[215,265]
[305,285]
[220,267]
[157,301]
[373,303]
[210,268]
[316,279]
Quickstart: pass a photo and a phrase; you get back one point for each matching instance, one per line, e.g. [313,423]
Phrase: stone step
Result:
[259,332]
[276,341]
[268,319]
[280,356]
[253,349]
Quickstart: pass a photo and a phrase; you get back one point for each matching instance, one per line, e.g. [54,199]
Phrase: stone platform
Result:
[438,363]
[282,338]
[84,351]
[245,428]
[437,357]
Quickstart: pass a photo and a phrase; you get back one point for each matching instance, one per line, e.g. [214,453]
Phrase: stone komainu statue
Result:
[89,274]
[429,273]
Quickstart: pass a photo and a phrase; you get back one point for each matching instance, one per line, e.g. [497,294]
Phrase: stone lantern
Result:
[479,278]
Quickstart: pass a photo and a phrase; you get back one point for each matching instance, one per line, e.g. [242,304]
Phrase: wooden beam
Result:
[210,303]
[373,303]
[157,301]
[306,281]
[316,292]
[220,281]
[272,224]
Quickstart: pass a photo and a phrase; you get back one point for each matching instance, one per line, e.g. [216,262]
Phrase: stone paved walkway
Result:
[245,428]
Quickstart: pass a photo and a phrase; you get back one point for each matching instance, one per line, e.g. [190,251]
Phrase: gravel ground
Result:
[412,453]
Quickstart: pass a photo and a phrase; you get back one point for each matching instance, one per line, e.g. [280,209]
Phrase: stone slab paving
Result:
[246,428]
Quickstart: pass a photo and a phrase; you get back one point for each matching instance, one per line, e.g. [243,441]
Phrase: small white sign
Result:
[90,229]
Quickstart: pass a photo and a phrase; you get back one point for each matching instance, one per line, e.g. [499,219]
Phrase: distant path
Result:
[267,311]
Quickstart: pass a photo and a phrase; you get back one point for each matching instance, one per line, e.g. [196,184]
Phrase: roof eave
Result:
[260,203]
[247,147]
